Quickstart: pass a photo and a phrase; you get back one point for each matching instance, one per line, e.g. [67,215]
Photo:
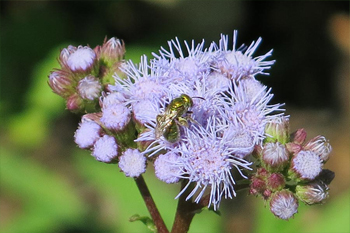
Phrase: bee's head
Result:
[187,101]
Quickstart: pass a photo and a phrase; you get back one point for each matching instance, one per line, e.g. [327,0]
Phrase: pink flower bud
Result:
[320,146]
[74,103]
[65,53]
[267,194]
[257,186]
[293,147]
[62,83]
[276,182]
[298,137]
[112,51]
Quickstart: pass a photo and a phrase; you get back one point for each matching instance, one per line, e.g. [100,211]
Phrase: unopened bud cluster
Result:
[85,72]
[291,169]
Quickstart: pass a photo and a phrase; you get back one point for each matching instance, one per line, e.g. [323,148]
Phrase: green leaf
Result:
[145,220]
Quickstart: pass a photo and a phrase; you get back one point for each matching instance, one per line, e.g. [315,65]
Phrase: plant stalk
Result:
[151,206]
[184,213]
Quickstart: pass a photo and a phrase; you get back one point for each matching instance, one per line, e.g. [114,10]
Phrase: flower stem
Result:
[151,206]
[187,209]
[184,213]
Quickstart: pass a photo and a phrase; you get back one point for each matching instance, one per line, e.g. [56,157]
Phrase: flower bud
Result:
[115,117]
[111,98]
[257,185]
[81,60]
[283,204]
[274,156]
[305,165]
[87,134]
[267,194]
[240,139]
[92,117]
[65,53]
[89,88]
[320,146]
[293,148]
[277,130]
[312,193]
[112,51]
[75,103]
[167,169]
[62,83]
[275,182]
[132,162]
[143,110]
[298,137]
[105,149]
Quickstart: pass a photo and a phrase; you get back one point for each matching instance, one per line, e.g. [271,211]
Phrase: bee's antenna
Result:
[198,97]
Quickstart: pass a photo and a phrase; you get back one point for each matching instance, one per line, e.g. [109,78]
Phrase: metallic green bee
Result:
[168,123]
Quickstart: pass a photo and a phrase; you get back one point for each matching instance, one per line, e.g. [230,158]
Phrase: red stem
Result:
[187,209]
[184,213]
[151,206]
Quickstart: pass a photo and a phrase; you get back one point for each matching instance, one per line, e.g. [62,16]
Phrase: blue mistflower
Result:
[186,67]
[251,112]
[239,63]
[144,110]
[239,140]
[207,160]
[140,83]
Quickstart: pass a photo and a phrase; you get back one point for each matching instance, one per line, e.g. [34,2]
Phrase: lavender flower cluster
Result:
[198,115]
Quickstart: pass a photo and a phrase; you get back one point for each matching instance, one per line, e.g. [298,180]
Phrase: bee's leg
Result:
[182,121]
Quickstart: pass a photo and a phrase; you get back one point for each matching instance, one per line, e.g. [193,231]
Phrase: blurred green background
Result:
[48,185]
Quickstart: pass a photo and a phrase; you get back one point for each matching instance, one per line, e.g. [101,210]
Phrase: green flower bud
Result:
[312,193]
[277,130]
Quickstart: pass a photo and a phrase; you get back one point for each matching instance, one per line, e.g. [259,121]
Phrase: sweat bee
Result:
[168,123]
